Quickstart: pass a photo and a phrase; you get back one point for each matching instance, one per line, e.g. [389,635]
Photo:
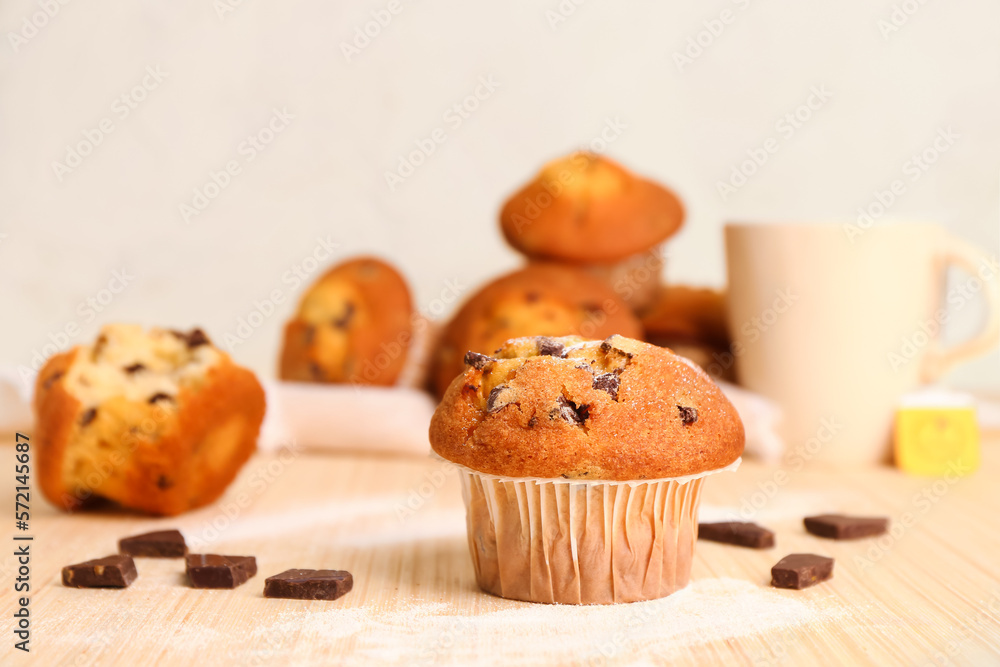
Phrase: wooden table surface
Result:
[927,594]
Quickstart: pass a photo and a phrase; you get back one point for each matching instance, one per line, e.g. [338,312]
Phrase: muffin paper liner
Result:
[582,542]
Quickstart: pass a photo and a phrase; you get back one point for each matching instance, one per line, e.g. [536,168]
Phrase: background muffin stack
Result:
[592,234]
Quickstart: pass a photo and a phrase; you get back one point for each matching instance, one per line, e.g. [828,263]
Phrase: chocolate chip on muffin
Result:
[88,416]
[550,347]
[570,411]
[476,360]
[688,415]
[607,382]
[500,397]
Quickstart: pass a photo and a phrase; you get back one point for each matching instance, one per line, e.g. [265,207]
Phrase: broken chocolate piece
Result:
[88,416]
[608,382]
[569,411]
[738,533]
[213,571]
[840,527]
[476,360]
[549,347]
[688,415]
[158,544]
[116,571]
[309,584]
[131,369]
[159,396]
[801,571]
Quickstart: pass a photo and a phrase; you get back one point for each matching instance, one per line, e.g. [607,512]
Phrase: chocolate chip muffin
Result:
[541,300]
[582,464]
[615,410]
[590,211]
[159,421]
[586,208]
[353,325]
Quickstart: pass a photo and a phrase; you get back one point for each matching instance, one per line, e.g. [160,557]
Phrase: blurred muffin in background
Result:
[543,299]
[692,322]
[354,324]
[587,210]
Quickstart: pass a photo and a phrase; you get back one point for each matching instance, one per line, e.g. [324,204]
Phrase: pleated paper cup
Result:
[582,542]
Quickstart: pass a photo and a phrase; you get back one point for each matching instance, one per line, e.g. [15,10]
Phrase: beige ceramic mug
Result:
[836,324]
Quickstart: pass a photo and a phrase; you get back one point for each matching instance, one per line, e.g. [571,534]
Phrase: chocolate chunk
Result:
[197,337]
[532,297]
[533,421]
[801,571]
[315,370]
[116,571]
[163,483]
[88,416]
[158,544]
[134,368]
[608,382]
[738,533]
[345,319]
[570,411]
[549,347]
[476,360]
[159,396]
[688,415]
[840,527]
[309,584]
[212,571]
[500,397]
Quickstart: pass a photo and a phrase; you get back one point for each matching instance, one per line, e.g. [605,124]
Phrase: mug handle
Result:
[970,259]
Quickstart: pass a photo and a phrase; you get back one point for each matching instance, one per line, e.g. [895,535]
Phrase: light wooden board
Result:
[931,594]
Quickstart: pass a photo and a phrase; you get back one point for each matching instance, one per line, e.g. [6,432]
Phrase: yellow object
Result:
[937,441]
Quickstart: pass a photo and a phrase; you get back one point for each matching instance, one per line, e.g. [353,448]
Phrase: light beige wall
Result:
[555,85]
